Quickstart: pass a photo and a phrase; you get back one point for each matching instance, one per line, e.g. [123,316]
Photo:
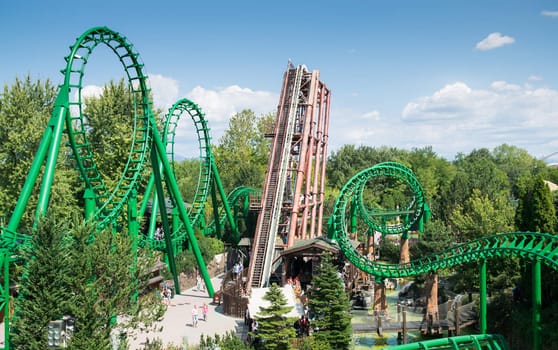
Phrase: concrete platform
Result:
[177,322]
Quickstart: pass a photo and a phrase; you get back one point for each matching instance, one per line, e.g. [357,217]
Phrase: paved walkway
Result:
[177,322]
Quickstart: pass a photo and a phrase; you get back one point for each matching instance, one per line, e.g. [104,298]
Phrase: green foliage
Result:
[186,261]
[436,237]
[25,108]
[43,294]
[311,343]
[479,215]
[535,211]
[228,341]
[110,119]
[243,151]
[388,250]
[93,280]
[349,160]
[274,329]
[106,280]
[330,306]
[187,173]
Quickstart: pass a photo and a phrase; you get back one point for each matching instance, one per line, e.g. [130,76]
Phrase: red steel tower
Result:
[293,193]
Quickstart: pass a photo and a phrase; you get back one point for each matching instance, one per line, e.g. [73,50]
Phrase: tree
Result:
[92,278]
[330,306]
[228,341]
[477,170]
[243,151]
[535,210]
[105,280]
[43,294]
[274,329]
[25,108]
[349,160]
[110,119]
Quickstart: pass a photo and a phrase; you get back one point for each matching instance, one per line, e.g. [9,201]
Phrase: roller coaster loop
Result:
[529,245]
[539,248]
[208,179]
[105,206]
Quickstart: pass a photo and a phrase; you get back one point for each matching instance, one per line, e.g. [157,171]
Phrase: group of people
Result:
[195,316]
[302,326]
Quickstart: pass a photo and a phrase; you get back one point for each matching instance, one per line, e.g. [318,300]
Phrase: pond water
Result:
[373,340]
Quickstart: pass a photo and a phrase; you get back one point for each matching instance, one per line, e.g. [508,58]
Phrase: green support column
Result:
[175,222]
[217,183]
[5,256]
[218,227]
[483,296]
[537,302]
[54,124]
[159,195]
[133,230]
[60,109]
[354,208]
[159,153]
[90,204]
[153,217]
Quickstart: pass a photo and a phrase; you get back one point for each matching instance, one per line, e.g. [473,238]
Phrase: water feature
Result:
[372,340]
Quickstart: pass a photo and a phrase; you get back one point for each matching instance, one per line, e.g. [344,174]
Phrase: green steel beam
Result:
[470,342]
[537,306]
[483,297]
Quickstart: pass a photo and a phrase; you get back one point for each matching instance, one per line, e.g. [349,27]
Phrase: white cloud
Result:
[502,85]
[549,13]
[458,118]
[91,91]
[535,78]
[374,115]
[494,40]
[164,89]
[219,105]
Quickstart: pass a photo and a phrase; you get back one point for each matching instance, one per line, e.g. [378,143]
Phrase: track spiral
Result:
[185,107]
[533,246]
[109,201]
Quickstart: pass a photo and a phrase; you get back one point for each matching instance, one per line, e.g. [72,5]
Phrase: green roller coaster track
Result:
[470,342]
[208,182]
[105,206]
[238,200]
[540,248]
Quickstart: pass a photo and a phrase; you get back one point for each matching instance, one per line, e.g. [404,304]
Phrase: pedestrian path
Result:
[177,325]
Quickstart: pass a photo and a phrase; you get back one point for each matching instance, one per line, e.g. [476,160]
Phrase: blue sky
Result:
[454,75]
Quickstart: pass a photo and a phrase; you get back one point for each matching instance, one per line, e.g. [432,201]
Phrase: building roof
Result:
[312,246]
[256,302]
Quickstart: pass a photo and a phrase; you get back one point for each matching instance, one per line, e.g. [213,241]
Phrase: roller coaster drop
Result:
[105,207]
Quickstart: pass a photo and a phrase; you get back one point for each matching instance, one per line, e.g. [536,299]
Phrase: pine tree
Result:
[43,296]
[275,331]
[330,306]
[535,211]
[103,285]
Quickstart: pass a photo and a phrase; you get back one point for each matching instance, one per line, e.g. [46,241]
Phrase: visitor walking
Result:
[195,316]
[199,286]
[205,310]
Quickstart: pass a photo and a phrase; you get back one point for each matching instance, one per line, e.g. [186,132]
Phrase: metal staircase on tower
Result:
[297,160]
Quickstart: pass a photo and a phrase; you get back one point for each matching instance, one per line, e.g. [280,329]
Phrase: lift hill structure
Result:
[293,194]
